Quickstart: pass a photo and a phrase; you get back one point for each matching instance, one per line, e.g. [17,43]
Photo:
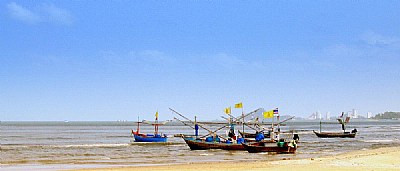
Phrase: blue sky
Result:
[116,60]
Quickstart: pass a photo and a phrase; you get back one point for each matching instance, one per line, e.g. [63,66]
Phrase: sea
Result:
[75,145]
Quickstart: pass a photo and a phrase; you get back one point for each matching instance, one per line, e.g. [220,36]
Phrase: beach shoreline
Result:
[370,159]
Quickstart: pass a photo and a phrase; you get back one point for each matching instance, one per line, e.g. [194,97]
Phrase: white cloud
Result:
[152,57]
[335,57]
[57,15]
[23,14]
[375,39]
[227,61]
[44,14]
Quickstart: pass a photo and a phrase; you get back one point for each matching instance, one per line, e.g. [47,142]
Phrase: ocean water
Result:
[68,145]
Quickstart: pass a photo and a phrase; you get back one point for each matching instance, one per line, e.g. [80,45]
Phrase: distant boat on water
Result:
[343,134]
[149,137]
[351,134]
[156,137]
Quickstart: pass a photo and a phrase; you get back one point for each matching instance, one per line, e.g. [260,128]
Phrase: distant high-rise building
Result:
[369,114]
[312,116]
[328,116]
[355,115]
[318,114]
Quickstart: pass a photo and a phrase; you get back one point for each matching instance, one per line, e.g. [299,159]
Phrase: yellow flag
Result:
[228,110]
[239,105]
[269,114]
[156,115]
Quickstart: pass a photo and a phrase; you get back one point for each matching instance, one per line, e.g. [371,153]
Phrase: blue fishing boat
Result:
[150,138]
[156,137]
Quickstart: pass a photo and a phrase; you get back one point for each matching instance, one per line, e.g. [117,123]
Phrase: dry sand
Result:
[375,159]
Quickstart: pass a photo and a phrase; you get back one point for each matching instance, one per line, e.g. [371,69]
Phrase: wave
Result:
[177,145]
[89,145]
[156,143]
[25,146]
[119,136]
[377,141]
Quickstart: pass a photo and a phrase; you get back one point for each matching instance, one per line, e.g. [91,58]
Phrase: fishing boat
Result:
[201,144]
[209,143]
[279,147]
[351,134]
[214,141]
[343,134]
[150,138]
[267,133]
[156,137]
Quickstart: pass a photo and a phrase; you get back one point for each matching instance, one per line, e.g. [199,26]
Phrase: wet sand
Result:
[374,159]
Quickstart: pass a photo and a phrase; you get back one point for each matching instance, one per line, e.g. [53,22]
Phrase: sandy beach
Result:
[374,159]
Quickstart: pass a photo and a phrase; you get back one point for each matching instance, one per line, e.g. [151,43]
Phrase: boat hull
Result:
[258,148]
[140,138]
[202,145]
[335,134]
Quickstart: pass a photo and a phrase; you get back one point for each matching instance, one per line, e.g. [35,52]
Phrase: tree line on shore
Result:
[387,115]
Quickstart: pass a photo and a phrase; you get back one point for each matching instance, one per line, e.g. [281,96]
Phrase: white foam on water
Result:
[377,141]
[206,154]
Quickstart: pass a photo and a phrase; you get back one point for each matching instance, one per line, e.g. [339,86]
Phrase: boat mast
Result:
[272,127]
[196,127]
[156,124]
[277,120]
[137,130]
[320,126]
[243,123]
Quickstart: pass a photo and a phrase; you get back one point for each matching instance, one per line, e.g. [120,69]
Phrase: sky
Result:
[119,60]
